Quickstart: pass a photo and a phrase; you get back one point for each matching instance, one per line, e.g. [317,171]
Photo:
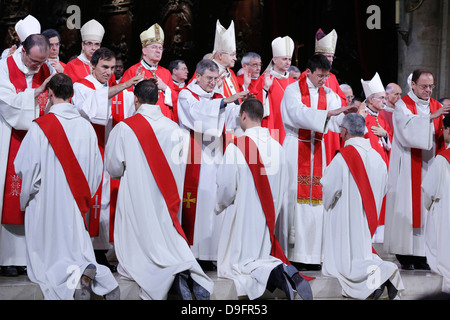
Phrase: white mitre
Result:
[282,47]
[326,43]
[154,34]
[225,39]
[28,26]
[372,86]
[92,31]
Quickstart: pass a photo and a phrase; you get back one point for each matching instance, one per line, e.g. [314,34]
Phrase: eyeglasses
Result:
[256,65]
[380,98]
[322,77]
[91,44]
[210,79]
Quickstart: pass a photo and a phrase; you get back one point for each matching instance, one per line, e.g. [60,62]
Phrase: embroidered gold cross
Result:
[188,200]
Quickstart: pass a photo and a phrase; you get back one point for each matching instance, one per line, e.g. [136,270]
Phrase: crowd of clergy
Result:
[260,176]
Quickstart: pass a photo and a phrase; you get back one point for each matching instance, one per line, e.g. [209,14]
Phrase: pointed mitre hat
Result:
[282,47]
[92,31]
[154,34]
[326,43]
[225,38]
[28,26]
[372,86]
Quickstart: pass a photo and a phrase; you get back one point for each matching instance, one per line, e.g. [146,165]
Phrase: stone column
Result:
[424,42]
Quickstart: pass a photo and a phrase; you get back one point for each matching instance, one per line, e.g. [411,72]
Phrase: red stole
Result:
[416,158]
[273,121]
[359,174]
[251,153]
[11,197]
[118,114]
[158,166]
[76,179]
[310,190]
[192,178]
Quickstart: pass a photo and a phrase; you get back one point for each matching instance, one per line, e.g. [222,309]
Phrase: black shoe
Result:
[422,266]
[378,292]
[22,270]
[278,279]
[207,265]
[180,286]
[9,271]
[392,291]
[299,283]
[408,266]
[307,266]
[199,292]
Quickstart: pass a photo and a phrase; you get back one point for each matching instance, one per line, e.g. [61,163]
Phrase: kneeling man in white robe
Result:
[354,185]
[252,196]
[61,168]
[147,152]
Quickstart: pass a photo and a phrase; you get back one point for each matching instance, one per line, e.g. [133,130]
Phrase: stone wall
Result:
[424,41]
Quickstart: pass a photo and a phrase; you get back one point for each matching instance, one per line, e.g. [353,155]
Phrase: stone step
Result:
[417,285]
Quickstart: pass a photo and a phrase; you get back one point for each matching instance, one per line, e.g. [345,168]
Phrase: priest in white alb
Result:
[104,106]
[147,152]
[435,189]
[252,197]
[308,110]
[354,185]
[23,77]
[418,137]
[61,167]
[207,115]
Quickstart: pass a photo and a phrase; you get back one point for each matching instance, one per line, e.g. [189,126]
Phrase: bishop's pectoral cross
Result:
[188,200]
[96,206]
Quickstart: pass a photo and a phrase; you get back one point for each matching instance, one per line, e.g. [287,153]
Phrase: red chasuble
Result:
[416,157]
[192,178]
[76,179]
[274,121]
[359,174]
[158,166]
[309,188]
[11,213]
[164,75]
[251,153]
[117,112]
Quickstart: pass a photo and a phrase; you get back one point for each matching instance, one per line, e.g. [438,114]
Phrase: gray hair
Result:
[355,124]
[206,64]
[248,56]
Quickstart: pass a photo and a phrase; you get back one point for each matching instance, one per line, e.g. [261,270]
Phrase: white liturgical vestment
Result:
[59,247]
[149,249]
[347,243]
[245,245]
